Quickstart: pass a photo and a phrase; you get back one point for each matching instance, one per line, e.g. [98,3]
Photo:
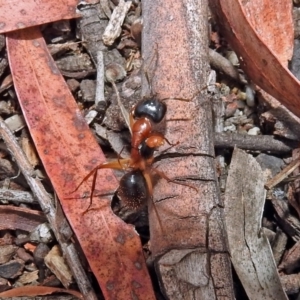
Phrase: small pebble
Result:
[238,113]
[241,96]
[231,127]
[88,88]
[230,109]
[240,104]
[237,120]
[250,96]
[248,111]
[90,116]
[242,131]
[269,162]
[248,126]
[73,85]
[232,57]
[254,131]
[224,90]
[114,72]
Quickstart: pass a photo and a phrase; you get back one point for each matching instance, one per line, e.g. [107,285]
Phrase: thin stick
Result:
[283,174]
[99,98]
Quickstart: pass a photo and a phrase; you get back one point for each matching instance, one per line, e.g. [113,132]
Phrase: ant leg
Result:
[93,189]
[131,119]
[116,165]
[193,96]
[164,176]
[150,189]
[172,145]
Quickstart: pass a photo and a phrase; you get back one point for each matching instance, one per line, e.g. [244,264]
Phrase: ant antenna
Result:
[193,96]
[123,109]
[155,54]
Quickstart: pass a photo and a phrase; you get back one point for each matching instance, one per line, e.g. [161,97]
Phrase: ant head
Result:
[151,108]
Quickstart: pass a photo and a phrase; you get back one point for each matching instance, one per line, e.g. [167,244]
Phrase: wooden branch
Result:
[265,143]
[191,248]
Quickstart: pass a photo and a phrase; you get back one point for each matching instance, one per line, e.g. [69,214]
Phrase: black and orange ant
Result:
[136,187]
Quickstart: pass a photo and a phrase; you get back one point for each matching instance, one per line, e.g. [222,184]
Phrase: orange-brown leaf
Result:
[21,14]
[33,291]
[261,32]
[69,151]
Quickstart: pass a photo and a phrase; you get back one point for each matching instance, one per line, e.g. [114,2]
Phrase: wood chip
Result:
[6,253]
[113,29]
[291,260]
[56,263]
[28,277]
[289,223]
[11,269]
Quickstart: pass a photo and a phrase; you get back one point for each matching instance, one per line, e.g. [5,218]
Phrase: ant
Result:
[136,187]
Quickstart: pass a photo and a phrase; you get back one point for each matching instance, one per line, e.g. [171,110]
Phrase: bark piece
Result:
[249,248]
[16,196]
[113,29]
[12,269]
[6,253]
[289,223]
[282,175]
[291,260]
[28,277]
[12,217]
[56,263]
[279,245]
[291,283]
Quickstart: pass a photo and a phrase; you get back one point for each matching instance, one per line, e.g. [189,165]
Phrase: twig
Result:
[264,143]
[49,209]
[219,62]
[100,80]
[16,196]
[283,174]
